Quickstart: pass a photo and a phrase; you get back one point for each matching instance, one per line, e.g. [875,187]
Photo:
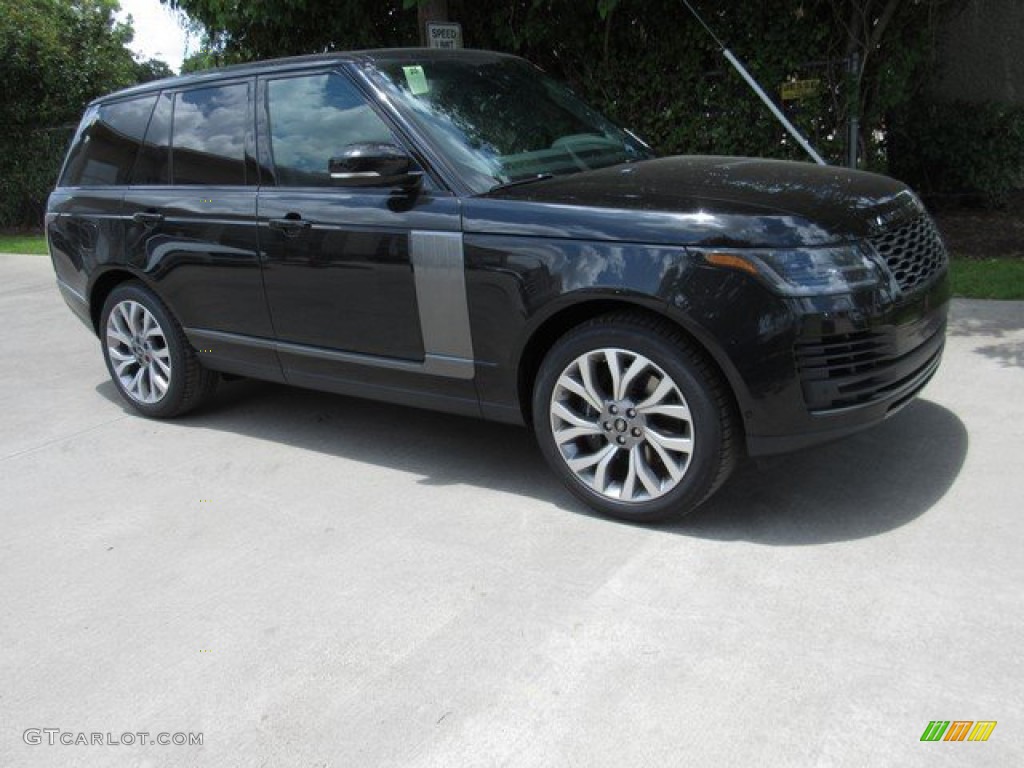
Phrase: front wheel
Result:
[633,418]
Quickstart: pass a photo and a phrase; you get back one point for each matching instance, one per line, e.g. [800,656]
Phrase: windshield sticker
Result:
[416,79]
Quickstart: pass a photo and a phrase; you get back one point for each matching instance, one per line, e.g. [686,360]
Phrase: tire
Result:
[656,448]
[148,357]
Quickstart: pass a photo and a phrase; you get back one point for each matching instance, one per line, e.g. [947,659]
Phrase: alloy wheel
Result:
[622,425]
[138,352]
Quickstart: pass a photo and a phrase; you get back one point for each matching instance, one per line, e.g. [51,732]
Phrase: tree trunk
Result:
[431,10]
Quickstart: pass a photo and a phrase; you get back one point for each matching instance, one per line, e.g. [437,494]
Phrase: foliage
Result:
[242,31]
[58,55]
[55,56]
[151,69]
[30,160]
[956,151]
[647,63]
[204,58]
[651,66]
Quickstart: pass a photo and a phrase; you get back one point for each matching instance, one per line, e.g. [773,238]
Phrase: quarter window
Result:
[107,143]
[209,135]
[311,119]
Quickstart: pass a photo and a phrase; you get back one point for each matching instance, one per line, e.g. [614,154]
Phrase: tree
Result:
[55,56]
[152,69]
[240,31]
[648,63]
[428,10]
[58,55]
[889,45]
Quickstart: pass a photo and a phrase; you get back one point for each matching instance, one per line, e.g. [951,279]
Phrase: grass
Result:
[988,278]
[23,244]
[972,278]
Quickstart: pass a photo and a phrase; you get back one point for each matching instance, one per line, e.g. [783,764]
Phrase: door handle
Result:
[291,225]
[147,218]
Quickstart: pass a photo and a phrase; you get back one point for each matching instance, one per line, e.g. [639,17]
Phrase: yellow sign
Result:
[800,89]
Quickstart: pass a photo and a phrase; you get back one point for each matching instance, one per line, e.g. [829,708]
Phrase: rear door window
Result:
[107,143]
[208,137]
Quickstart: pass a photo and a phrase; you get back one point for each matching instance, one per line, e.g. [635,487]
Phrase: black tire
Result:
[700,406]
[187,383]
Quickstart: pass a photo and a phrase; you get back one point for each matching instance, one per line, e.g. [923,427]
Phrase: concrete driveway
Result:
[311,580]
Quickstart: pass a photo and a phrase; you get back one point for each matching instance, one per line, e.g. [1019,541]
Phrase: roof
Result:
[304,62]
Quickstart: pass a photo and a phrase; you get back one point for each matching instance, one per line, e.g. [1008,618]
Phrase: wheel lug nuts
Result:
[613,410]
[636,432]
[631,413]
[620,440]
[608,426]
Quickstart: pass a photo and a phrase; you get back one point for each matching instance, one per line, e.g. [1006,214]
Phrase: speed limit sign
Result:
[444,34]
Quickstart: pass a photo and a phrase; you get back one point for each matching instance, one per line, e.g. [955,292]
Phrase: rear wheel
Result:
[148,356]
[633,419]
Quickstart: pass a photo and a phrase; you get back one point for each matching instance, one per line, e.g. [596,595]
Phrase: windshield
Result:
[500,121]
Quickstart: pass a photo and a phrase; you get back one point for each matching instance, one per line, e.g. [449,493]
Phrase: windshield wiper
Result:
[518,182]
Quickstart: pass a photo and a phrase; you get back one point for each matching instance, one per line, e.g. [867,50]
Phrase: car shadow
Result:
[865,485]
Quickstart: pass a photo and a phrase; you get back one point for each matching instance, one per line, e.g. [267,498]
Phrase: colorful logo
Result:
[958,730]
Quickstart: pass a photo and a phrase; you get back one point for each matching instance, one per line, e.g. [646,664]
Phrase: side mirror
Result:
[374,165]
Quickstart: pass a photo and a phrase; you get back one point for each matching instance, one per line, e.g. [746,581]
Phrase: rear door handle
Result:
[148,218]
[290,226]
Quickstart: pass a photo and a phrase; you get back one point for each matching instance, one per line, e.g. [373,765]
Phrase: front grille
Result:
[913,252]
[853,369]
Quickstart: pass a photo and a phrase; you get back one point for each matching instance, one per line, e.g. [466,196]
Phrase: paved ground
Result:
[310,580]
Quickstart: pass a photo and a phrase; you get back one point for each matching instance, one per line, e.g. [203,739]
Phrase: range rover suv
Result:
[455,230]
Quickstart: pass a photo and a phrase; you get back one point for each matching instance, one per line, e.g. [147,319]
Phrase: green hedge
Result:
[28,171]
[959,152]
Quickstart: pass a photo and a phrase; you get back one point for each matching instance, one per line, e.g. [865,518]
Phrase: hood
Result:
[701,201]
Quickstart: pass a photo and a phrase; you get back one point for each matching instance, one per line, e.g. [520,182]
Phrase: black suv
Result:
[455,230]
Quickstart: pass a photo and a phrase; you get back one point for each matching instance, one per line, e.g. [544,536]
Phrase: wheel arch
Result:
[102,287]
[560,322]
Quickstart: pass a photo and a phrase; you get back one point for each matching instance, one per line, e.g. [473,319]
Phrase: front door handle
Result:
[147,218]
[291,225]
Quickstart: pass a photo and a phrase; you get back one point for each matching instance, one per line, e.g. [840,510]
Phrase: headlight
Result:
[804,271]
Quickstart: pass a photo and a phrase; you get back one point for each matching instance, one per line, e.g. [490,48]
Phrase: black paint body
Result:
[332,304]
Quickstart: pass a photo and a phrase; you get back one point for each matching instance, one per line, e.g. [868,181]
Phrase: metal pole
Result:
[757,88]
[774,109]
[853,105]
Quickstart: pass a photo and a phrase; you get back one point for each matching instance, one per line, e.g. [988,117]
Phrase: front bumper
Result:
[833,424]
[852,362]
